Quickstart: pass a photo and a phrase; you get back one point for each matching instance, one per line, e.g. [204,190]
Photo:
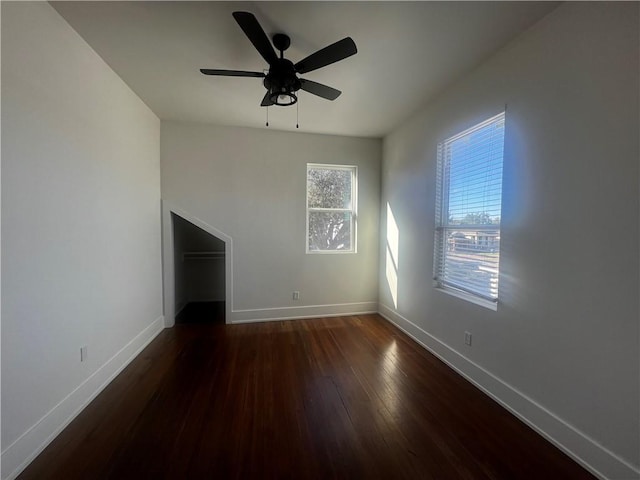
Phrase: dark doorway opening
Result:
[199,268]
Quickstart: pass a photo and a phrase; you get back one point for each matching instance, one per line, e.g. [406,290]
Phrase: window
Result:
[468,209]
[331,208]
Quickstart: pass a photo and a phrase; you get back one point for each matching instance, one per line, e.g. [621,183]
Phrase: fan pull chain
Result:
[267,124]
[297,112]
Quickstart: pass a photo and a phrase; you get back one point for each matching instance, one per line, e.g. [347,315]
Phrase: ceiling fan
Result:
[281,80]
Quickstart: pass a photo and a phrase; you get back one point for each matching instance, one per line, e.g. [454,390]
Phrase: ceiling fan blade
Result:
[328,55]
[231,73]
[319,89]
[266,101]
[256,35]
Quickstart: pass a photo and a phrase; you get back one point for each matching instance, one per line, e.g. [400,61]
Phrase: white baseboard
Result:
[28,446]
[309,311]
[600,461]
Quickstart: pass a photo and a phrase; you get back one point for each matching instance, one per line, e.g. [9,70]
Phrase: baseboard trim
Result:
[308,311]
[596,458]
[17,456]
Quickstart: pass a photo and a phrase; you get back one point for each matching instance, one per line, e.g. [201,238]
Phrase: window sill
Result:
[330,252]
[469,298]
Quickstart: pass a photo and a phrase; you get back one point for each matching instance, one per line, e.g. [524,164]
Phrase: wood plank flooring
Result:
[342,397]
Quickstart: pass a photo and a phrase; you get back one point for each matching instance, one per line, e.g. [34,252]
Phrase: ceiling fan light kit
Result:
[282,98]
[281,79]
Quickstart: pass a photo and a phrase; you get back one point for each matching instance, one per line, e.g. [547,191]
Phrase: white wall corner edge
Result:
[594,457]
[17,456]
[301,312]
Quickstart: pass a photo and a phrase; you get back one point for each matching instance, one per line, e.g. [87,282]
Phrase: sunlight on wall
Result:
[393,242]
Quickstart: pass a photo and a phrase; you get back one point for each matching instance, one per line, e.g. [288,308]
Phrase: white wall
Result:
[251,185]
[562,349]
[81,257]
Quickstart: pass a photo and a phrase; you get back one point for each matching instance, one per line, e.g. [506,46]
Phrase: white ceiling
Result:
[407,52]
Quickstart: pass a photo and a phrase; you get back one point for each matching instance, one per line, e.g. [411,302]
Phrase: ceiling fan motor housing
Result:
[282,81]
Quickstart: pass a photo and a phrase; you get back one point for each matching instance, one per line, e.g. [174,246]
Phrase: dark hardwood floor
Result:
[344,397]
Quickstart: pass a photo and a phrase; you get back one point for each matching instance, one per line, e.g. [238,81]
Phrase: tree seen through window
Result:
[330,208]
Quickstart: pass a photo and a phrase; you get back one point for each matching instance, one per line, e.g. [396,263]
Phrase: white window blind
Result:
[468,210]
[331,208]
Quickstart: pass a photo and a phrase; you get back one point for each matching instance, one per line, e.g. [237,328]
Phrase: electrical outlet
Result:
[83,354]
[467,338]
[296,295]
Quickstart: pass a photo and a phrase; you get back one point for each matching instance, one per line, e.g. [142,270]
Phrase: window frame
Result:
[442,213]
[353,236]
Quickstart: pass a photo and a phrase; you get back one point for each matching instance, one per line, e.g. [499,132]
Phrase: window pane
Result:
[472,261]
[329,188]
[329,231]
[474,172]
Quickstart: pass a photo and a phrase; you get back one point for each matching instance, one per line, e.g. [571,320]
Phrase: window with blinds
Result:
[468,209]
